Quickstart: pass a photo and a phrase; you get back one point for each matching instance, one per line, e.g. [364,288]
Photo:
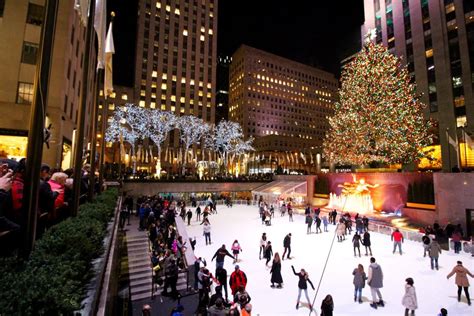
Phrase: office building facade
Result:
[176,58]
[20,30]
[283,104]
[435,38]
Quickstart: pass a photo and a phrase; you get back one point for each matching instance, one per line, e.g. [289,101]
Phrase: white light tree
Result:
[160,124]
[129,124]
[238,148]
[226,135]
[192,129]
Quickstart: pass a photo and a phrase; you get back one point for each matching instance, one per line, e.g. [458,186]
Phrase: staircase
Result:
[139,266]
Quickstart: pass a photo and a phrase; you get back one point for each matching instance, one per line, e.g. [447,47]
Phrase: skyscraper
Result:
[436,40]
[282,103]
[21,22]
[176,58]
[222,88]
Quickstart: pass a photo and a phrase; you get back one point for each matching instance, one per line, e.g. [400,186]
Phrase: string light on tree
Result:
[379,117]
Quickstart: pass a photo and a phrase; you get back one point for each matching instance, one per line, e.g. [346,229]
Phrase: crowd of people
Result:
[54,199]
[221,294]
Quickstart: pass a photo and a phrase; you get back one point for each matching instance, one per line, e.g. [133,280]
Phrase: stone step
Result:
[139,264]
[141,289]
[138,242]
[134,270]
[137,250]
[135,260]
[137,238]
[141,296]
[139,282]
[140,276]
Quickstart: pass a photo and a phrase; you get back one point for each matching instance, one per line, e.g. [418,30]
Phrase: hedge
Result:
[53,280]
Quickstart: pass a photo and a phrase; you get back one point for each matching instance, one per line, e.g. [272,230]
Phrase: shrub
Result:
[53,280]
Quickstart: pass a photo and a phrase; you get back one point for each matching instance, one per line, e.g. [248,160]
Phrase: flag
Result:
[99,26]
[82,8]
[454,143]
[109,51]
[468,139]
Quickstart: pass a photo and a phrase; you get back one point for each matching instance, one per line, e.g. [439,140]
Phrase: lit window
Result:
[191,101]
[152,105]
[173,98]
[461,121]
[101,93]
[112,95]
[158,5]
[163,97]
[163,86]
[154,74]
[25,93]
[183,80]
[429,53]
[111,106]
[210,32]
[168,8]
[209,85]
[163,107]
[181,110]
[176,11]
[164,76]
[124,96]
[203,29]
[201,83]
[182,99]
[457,82]
[153,95]
[142,104]
[174,78]
[201,38]
[173,108]
[192,82]
[185,32]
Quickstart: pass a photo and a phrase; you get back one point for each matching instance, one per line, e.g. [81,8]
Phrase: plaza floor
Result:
[310,252]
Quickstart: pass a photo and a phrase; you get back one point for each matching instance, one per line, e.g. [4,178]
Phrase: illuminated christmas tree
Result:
[379,117]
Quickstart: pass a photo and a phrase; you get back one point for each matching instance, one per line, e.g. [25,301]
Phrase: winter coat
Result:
[434,249]
[359,278]
[276,273]
[237,278]
[356,240]
[366,239]
[268,251]
[206,228]
[461,275]
[409,299]
[263,242]
[59,202]
[220,255]
[375,279]
[341,229]
[236,248]
[287,241]
[303,280]
[317,220]
[397,236]
[426,240]
[327,308]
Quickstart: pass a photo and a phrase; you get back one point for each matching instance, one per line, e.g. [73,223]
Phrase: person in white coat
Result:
[409,300]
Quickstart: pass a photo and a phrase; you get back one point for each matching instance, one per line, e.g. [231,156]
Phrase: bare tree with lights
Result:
[379,117]
[192,130]
[161,123]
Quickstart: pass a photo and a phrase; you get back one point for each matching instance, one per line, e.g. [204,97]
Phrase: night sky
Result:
[315,32]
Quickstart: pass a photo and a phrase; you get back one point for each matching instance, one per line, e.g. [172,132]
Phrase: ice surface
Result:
[433,290]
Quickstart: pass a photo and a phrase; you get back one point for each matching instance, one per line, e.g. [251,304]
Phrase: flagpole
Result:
[93,135]
[449,149]
[82,112]
[103,128]
[36,124]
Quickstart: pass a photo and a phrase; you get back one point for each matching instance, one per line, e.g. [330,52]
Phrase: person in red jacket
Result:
[237,279]
[397,239]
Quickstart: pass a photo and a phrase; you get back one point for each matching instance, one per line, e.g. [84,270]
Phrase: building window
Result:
[2,7]
[25,93]
[29,53]
[35,14]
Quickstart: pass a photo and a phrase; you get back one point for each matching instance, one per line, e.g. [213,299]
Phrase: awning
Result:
[278,188]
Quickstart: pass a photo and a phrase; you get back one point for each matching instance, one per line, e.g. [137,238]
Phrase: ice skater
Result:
[434,250]
[198,213]
[309,222]
[189,215]
[287,246]
[359,282]
[263,244]
[409,300]
[325,223]
[356,243]
[236,249]
[375,281]
[303,286]
[327,306]
[366,242]
[268,252]
[290,212]
[220,256]
[341,230]
[426,244]
[317,222]
[207,231]
[276,272]
[283,209]
[397,238]
[461,280]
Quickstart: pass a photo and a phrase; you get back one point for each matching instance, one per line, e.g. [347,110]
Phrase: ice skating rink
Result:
[433,290]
